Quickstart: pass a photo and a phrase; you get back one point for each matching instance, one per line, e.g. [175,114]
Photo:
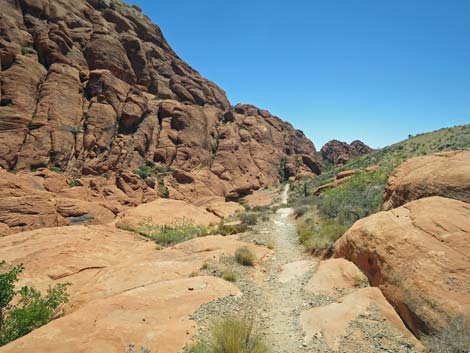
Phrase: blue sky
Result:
[375,70]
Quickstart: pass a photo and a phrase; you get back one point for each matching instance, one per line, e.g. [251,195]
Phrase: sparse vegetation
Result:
[24,310]
[75,183]
[55,169]
[455,338]
[248,218]
[245,256]
[231,228]
[231,335]
[182,230]
[320,237]
[131,349]
[229,276]
[27,50]
[335,210]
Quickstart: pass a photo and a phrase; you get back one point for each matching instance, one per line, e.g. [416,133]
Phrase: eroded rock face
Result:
[417,255]
[337,152]
[444,174]
[92,87]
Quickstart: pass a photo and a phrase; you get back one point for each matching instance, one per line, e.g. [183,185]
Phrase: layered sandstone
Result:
[91,87]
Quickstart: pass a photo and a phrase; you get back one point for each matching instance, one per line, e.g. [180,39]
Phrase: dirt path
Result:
[287,273]
[274,296]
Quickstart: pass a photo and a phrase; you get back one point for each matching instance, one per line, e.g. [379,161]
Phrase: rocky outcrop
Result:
[346,312]
[337,152]
[122,290]
[417,255]
[444,174]
[91,87]
[45,199]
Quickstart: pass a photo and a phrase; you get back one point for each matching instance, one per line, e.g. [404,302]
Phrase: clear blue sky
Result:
[375,70]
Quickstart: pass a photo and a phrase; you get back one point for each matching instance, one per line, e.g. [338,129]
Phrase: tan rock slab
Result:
[155,316]
[294,270]
[332,275]
[331,322]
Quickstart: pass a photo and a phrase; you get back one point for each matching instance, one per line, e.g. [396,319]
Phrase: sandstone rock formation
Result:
[165,212]
[417,255]
[92,87]
[444,174]
[337,152]
[123,291]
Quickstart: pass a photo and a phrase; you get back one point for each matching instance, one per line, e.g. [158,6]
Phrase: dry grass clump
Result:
[231,335]
[229,276]
[245,256]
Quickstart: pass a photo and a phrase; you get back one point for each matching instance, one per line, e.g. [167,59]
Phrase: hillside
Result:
[388,158]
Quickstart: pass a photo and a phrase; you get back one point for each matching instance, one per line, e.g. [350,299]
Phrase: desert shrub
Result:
[27,50]
[245,256]
[359,197]
[180,231]
[455,338]
[24,310]
[75,183]
[248,218]
[231,335]
[229,276]
[230,229]
[321,237]
[301,211]
[144,171]
[55,169]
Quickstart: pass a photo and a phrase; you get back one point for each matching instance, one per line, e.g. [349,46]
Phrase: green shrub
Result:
[27,50]
[55,169]
[245,256]
[27,309]
[231,335]
[182,230]
[455,338]
[248,218]
[359,197]
[75,183]
[143,171]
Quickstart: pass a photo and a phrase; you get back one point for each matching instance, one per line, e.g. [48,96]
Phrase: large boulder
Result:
[417,255]
[444,174]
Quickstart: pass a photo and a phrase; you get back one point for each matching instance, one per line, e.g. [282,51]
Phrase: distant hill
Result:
[454,138]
